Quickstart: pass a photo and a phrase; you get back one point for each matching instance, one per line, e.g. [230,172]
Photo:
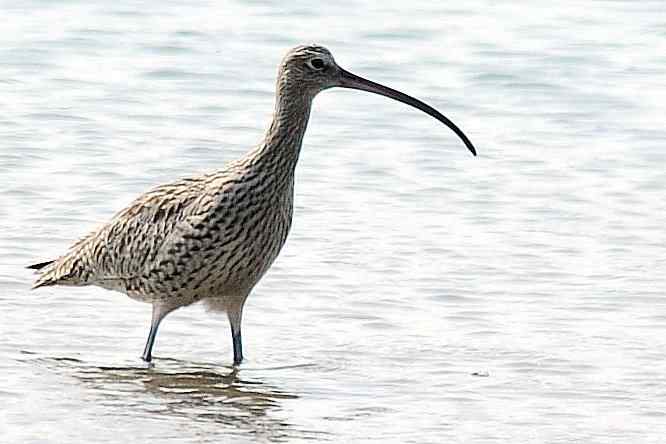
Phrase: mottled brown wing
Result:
[131,242]
[121,249]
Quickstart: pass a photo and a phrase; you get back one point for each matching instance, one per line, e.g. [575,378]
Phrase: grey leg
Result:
[159,312]
[238,346]
[148,349]
[235,314]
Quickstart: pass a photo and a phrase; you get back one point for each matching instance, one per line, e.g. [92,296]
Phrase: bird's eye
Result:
[317,64]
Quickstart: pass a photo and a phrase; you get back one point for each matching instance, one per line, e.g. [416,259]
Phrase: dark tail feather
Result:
[40,265]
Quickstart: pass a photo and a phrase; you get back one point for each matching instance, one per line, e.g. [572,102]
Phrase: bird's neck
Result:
[278,152]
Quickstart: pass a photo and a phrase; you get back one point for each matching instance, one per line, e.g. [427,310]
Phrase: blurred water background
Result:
[424,296]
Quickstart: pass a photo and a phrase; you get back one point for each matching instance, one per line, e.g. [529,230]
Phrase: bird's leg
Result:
[159,312]
[235,313]
[238,346]
[148,349]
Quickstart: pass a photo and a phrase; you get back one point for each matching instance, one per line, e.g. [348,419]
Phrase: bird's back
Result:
[192,239]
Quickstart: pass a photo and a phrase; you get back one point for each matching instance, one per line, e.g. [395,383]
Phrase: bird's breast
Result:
[225,249]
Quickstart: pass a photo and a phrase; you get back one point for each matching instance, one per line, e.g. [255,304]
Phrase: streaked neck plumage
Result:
[278,152]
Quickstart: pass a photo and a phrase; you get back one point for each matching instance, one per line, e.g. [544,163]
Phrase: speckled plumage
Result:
[211,237]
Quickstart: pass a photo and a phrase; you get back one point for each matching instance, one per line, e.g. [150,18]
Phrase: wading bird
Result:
[212,237]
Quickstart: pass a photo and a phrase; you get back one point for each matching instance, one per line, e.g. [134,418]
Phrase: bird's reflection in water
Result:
[198,392]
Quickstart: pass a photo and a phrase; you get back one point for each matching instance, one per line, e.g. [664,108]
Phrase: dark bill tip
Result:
[352,81]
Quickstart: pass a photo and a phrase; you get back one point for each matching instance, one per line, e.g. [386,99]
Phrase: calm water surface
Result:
[424,295]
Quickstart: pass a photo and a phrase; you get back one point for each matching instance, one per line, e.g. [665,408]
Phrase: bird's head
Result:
[307,70]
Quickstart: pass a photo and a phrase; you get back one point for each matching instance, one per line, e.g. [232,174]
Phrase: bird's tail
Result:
[55,272]
[40,265]
[72,268]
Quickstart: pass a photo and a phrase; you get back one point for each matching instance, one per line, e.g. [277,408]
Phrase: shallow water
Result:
[423,296]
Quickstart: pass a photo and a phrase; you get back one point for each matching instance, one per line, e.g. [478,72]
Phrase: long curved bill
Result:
[349,80]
